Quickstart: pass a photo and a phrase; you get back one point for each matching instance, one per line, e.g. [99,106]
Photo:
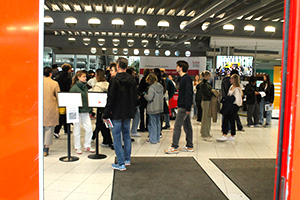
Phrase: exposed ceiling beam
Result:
[233,16]
[215,7]
[264,10]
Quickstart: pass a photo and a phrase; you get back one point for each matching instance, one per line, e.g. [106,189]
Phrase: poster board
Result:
[70,99]
[97,99]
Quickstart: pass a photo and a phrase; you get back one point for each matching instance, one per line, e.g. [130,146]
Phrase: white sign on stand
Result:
[97,99]
[71,101]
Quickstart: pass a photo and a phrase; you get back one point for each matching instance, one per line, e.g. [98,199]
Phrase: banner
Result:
[277,90]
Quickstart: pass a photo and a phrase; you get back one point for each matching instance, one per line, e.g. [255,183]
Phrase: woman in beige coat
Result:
[51,114]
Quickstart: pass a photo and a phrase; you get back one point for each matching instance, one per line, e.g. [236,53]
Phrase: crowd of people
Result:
[133,103]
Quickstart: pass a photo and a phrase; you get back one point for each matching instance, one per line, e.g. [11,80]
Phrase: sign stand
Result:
[71,101]
[97,100]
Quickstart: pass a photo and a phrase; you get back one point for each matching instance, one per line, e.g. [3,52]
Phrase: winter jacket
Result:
[121,97]
[101,86]
[225,85]
[51,114]
[155,98]
[65,81]
[198,95]
[82,88]
[227,106]
[214,106]
[185,96]
[206,92]
[250,94]
[269,92]
[143,87]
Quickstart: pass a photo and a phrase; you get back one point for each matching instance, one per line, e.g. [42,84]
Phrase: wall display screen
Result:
[244,65]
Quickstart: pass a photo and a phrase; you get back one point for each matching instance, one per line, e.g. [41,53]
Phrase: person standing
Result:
[64,80]
[251,102]
[143,87]
[267,88]
[51,88]
[185,101]
[120,108]
[79,85]
[235,91]
[102,86]
[196,81]
[206,94]
[155,107]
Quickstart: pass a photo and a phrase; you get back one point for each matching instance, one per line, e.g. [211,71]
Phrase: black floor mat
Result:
[255,177]
[164,178]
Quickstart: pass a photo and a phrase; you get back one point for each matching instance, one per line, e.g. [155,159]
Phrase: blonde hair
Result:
[237,83]
[78,74]
[151,78]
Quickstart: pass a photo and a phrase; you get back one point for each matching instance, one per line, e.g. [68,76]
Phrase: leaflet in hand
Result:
[109,124]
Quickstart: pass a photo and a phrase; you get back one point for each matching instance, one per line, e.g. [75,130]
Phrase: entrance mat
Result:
[164,178]
[255,177]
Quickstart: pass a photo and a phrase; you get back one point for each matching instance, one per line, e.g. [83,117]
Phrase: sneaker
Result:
[160,136]
[172,150]
[257,125]
[112,147]
[231,138]
[267,126]
[136,135]
[199,123]
[147,141]
[90,149]
[78,151]
[46,151]
[222,139]
[187,149]
[243,130]
[132,140]
[104,145]
[250,126]
[208,139]
[56,135]
[118,167]
[127,163]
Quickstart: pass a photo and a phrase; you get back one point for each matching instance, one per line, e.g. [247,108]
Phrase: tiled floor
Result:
[92,179]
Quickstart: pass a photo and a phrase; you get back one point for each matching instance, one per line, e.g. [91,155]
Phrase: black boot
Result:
[46,151]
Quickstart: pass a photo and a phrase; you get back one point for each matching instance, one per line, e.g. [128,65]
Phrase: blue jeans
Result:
[261,112]
[135,121]
[167,120]
[154,128]
[122,126]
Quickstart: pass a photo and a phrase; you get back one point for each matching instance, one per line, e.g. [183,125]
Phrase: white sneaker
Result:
[90,149]
[222,139]
[231,138]
[207,139]
[78,151]
[136,135]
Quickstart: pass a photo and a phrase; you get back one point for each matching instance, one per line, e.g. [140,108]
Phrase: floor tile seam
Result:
[267,144]
[250,146]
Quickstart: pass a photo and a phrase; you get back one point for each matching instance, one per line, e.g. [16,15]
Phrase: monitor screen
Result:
[244,65]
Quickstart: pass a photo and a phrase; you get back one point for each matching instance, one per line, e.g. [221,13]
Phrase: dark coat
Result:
[206,92]
[121,97]
[250,93]
[227,107]
[269,92]
[185,96]
[65,81]
[143,87]
[198,95]
[225,85]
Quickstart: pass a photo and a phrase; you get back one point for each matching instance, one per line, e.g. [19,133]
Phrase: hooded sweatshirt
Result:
[121,97]
[155,98]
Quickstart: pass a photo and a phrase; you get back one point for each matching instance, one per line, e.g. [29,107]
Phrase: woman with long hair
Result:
[79,85]
[268,88]
[236,91]
[206,95]
[102,86]
[196,81]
